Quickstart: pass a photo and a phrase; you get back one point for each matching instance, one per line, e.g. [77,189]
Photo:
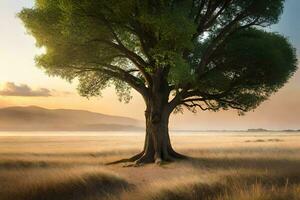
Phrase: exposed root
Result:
[177,156]
[131,159]
[132,165]
[146,158]
[158,161]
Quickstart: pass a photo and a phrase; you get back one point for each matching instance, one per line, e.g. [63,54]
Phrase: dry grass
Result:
[235,186]
[239,166]
[61,184]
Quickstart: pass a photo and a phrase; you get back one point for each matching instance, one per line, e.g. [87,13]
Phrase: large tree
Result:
[194,54]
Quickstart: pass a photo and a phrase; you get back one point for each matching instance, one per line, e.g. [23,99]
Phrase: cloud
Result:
[60,93]
[11,89]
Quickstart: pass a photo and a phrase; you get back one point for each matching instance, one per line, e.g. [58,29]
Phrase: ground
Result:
[235,165]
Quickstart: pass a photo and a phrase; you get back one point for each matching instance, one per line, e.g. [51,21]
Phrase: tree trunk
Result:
[157,146]
[157,137]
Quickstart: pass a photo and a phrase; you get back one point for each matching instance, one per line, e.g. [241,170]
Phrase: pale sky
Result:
[18,73]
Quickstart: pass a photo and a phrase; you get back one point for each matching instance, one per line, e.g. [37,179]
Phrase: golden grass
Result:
[60,184]
[236,186]
[239,166]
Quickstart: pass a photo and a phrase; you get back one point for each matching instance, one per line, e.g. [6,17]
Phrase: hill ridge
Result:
[44,119]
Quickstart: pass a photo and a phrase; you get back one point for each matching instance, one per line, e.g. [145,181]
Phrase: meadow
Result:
[223,166]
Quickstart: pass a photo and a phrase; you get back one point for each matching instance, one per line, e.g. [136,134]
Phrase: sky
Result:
[22,83]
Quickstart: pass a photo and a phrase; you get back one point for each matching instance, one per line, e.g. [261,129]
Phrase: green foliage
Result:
[269,11]
[250,67]
[92,83]
[69,38]
[210,47]
[123,91]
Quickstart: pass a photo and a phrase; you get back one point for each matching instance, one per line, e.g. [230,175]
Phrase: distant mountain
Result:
[35,118]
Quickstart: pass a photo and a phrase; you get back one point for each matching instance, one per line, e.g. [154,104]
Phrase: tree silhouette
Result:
[195,54]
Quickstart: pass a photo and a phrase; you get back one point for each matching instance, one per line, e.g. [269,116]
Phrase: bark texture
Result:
[157,145]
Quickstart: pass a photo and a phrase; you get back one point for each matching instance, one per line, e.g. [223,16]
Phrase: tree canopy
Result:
[207,54]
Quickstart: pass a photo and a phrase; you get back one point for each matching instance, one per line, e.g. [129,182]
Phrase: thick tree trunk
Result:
[157,138]
[157,146]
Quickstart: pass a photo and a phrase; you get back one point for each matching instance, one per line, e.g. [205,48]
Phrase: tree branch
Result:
[209,17]
[140,63]
[233,26]
[117,73]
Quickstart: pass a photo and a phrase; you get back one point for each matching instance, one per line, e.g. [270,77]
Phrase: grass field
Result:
[224,166]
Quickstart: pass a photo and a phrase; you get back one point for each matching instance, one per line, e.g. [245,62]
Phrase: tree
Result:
[194,54]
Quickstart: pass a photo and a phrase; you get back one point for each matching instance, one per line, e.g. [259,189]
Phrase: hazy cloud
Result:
[11,89]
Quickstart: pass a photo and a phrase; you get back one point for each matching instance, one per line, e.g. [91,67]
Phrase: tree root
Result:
[131,159]
[177,156]
[146,158]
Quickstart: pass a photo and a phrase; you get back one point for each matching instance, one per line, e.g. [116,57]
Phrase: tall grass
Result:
[226,167]
[236,186]
[65,184]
